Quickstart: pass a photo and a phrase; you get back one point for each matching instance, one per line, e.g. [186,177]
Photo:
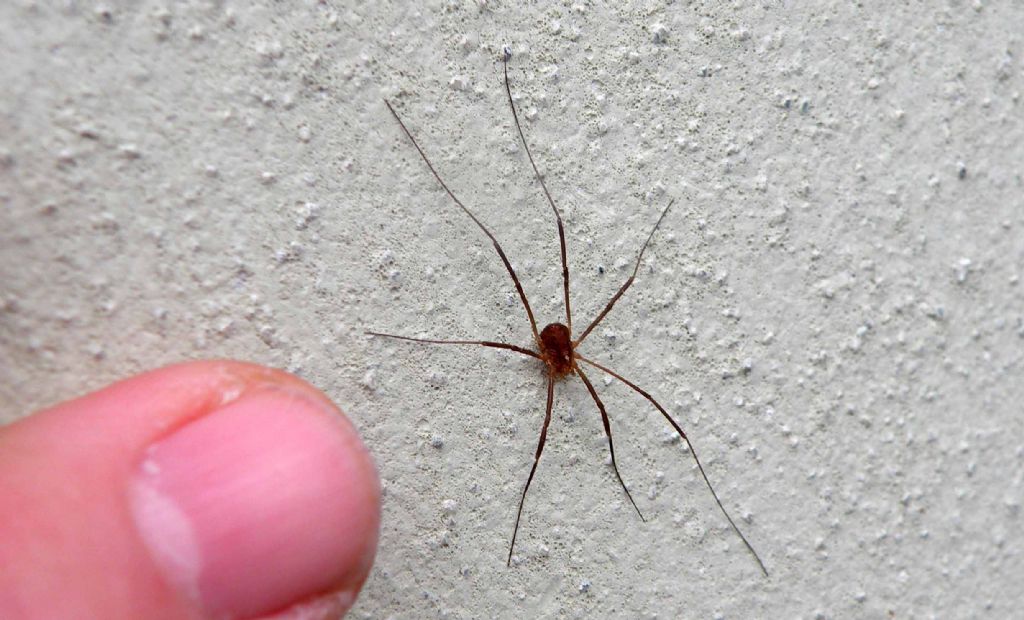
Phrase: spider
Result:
[556,347]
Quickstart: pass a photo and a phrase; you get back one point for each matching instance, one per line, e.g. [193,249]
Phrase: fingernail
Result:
[264,503]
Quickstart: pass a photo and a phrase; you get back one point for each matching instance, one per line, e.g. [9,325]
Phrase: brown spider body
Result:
[556,350]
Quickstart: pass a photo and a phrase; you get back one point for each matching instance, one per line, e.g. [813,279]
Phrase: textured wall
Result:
[833,310]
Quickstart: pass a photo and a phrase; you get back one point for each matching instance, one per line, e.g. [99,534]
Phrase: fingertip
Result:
[273,479]
[222,487]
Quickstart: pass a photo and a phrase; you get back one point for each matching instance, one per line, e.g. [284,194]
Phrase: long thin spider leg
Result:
[494,240]
[608,432]
[485,343]
[536,459]
[536,173]
[622,290]
[692,451]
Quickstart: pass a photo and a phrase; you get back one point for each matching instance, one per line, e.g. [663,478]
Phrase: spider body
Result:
[556,350]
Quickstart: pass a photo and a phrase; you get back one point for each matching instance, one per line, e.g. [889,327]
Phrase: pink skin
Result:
[203,490]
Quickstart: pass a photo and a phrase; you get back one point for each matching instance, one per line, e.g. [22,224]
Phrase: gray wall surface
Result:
[833,309]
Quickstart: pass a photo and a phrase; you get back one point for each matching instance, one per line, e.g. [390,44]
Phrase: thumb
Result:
[208,489]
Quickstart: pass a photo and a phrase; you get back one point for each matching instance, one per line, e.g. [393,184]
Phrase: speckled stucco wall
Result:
[833,310]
